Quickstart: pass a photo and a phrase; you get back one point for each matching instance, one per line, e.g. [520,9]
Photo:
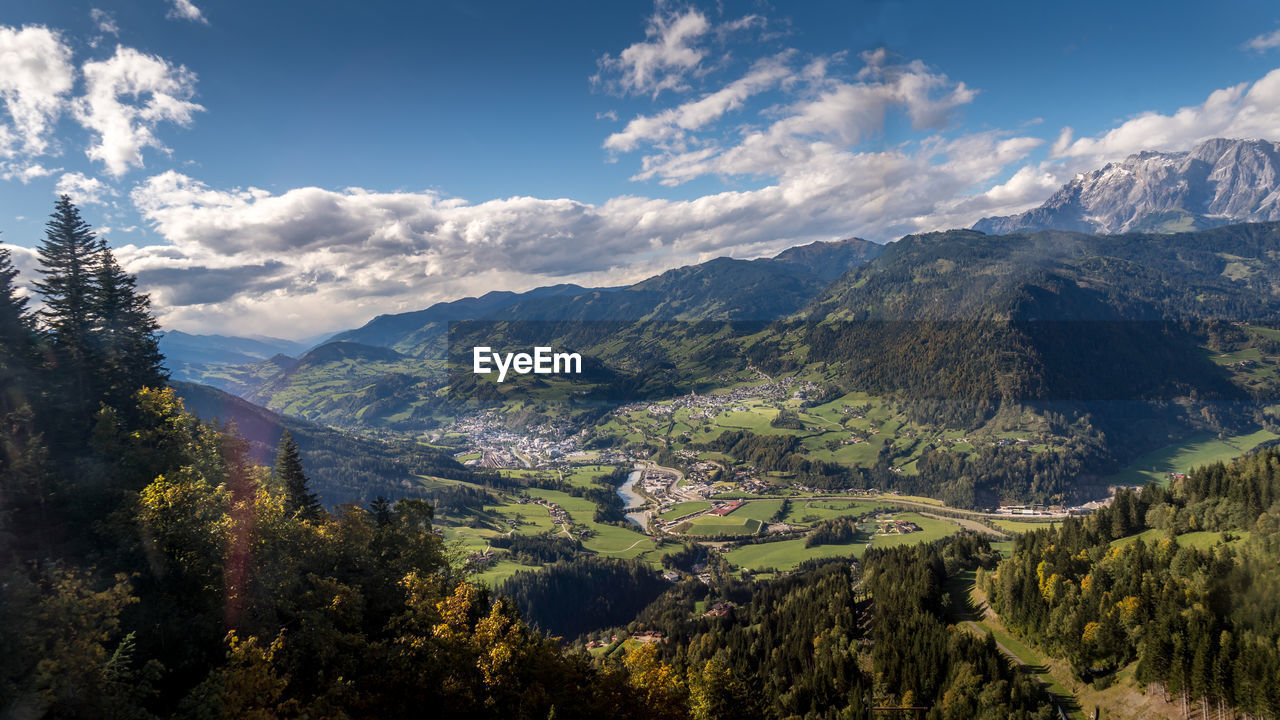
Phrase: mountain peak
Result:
[1218,182]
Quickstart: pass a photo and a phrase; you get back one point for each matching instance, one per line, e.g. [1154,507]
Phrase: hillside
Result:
[386,373]
[410,332]
[343,467]
[967,323]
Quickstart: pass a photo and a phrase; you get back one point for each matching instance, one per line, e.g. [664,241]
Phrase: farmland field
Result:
[716,525]
[681,509]
[786,554]
[1200,450]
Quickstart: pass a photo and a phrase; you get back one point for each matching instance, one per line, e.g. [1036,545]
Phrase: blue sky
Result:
[292,168]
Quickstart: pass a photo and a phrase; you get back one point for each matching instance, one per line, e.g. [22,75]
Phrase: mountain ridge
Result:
[1220,181]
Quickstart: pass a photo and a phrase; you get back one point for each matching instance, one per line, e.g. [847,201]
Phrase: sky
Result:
[290,169]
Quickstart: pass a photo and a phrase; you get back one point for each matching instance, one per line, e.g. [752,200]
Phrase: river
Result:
[632,499]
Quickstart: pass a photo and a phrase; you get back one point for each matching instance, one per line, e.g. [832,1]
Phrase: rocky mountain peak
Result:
[1218,182]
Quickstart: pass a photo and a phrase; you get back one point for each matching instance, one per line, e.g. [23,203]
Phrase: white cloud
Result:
[82,189]
[35,76]
[661,62]
[185,10]
[127,96]
[832,116]
[24,172]
[236,256]
[1264,42]
[670,125]
[1240,111]
[105,21]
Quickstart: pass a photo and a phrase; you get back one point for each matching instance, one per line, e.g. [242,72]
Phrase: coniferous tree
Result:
[17,340]
[124,334]
[21,452]
[381,509]
[299,500]
[69,258]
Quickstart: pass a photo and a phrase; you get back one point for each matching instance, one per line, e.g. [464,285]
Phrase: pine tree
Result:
[17,340]
[381,509]
[124,335]
[298,498]
[69,257]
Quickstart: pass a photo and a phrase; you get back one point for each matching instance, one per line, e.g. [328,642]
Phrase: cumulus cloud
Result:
[24,172]
[800,140]
[36,75]
[127,97]
[185,10]
[1241,111]
[82,189]
[356,253]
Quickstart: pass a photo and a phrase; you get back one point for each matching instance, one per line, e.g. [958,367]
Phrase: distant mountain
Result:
[829,260]
[379,374]
[717,290]
[181,348]
[408,331]
[343,467]
[1219,182]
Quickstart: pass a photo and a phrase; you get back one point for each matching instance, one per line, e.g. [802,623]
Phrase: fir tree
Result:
[17,341]
[298,498]
[124,335]
[69,257]
[381,509]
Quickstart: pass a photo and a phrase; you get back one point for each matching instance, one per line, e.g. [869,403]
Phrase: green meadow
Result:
[1202,449]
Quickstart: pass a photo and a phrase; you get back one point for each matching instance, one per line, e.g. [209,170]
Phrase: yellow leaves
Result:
[1090,634]
[1051,584]
[498,640]
[1128,608]
[455,610]
[247,686]
[660,686]
[1086,584]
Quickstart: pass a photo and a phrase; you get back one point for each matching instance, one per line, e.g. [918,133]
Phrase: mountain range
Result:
[1219,181]
[1100,345]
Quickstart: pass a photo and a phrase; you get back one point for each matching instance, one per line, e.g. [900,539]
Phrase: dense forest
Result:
[572,597]
[880,639]
[1191,600]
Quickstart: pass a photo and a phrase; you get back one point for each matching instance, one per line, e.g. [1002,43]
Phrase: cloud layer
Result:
[800,143]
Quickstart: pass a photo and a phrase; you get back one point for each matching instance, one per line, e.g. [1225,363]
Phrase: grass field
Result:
[715,525]
[501,569]
[786,554]
[679,510]
[1017,526]
[1200,450]
[930,529]
[585,475]
[760,510]
[1201,540]
[608,540]
[811,511]
[962,587]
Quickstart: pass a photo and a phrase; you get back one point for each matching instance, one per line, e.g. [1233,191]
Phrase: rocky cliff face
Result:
[1219,182]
